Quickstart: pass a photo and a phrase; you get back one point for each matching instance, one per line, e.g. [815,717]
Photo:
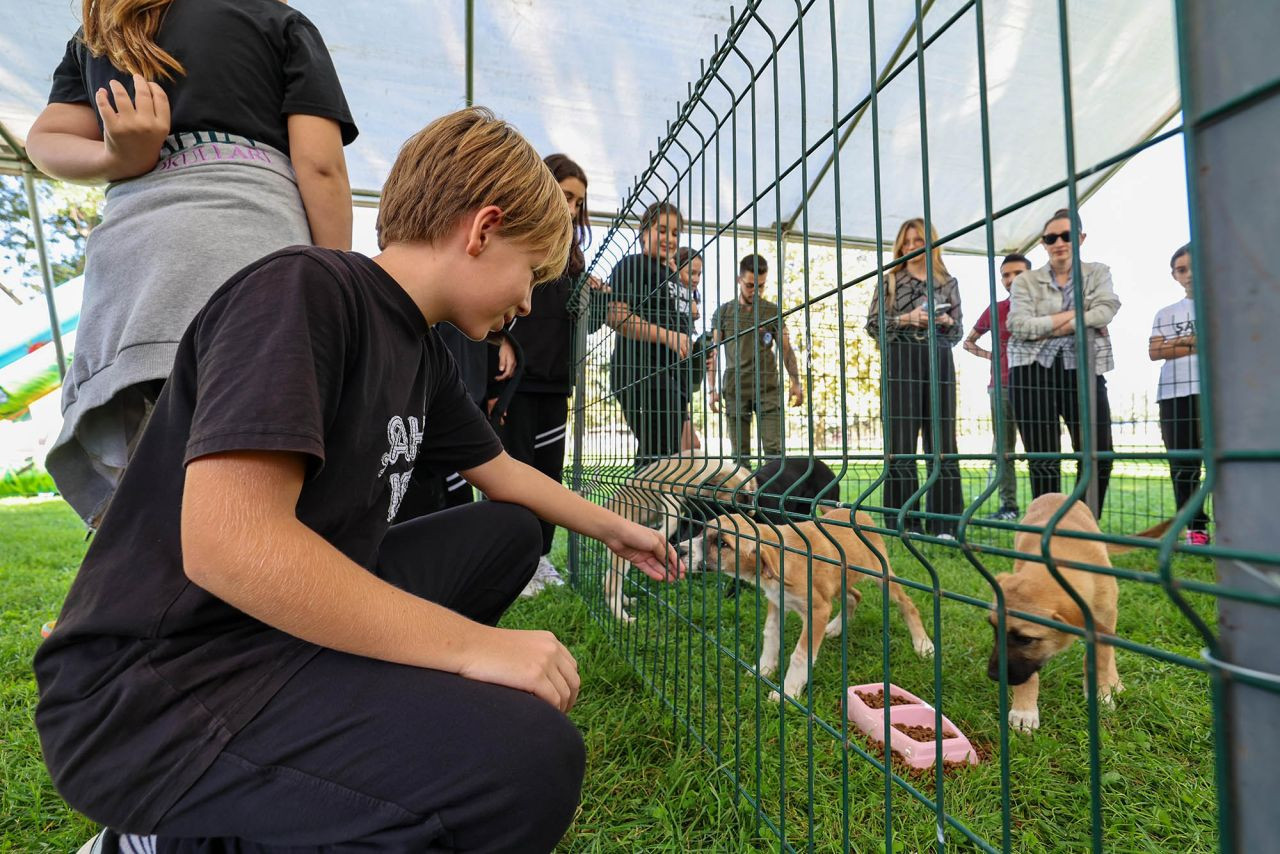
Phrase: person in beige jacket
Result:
[1045,359]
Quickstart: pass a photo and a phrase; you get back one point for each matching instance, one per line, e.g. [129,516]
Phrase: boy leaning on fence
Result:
[254,657]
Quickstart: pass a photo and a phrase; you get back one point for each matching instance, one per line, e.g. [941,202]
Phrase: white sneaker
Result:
[544,576]
[548,572]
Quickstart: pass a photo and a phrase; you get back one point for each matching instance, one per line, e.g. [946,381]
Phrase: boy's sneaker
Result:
[544,576]
[110,842]
[1007,513]
[94,845]
[1197,538]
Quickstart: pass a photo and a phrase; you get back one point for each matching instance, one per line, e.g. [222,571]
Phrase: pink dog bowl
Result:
[908,711]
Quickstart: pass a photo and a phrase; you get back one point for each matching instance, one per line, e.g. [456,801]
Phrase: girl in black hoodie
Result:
[533,428]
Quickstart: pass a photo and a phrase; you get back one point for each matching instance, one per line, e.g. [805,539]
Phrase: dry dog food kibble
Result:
[876,700]
[921,733]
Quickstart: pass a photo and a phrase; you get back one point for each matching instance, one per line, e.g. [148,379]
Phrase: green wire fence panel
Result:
[767,373]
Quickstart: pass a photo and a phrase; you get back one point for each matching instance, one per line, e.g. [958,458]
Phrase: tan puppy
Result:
[1031,589]
[735,546]
[653,496]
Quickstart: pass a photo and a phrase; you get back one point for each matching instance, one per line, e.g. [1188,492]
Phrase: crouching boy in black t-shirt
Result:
[254,657]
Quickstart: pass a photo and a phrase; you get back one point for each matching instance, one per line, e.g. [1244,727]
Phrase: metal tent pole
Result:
[471,41]
[33,208]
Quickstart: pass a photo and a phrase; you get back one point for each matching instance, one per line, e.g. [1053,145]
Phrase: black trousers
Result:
[910,413]
[534,433]
[1180,427]
[355,754]
[1043,398]
[654,408]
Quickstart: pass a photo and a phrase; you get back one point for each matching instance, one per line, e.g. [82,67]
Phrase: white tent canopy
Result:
[601,82]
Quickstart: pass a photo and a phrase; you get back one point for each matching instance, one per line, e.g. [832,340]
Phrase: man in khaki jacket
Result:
[749,326]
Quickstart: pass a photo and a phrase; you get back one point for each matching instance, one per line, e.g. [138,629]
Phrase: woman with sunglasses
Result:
[1044,360]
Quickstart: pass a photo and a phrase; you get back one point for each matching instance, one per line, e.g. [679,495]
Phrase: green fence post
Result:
[584,295]
[1231,101]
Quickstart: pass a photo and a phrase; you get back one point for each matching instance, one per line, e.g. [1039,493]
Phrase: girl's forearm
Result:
[326,197]
[70,158]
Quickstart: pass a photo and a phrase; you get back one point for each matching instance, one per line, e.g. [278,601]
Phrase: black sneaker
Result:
[1007,513]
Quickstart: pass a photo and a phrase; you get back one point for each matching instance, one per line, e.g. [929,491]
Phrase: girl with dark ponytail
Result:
[533,427]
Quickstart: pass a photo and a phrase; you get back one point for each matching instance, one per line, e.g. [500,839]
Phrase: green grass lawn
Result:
[652,787]
[644,790]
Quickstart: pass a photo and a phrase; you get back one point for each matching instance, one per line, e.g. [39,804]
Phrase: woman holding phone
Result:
[904,350]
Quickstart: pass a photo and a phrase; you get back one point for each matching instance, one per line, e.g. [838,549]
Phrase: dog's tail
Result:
[1153,533]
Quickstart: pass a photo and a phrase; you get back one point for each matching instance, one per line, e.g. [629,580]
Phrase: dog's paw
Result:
[1024,720]
[1107,694]
[794,693]
[795,690]
[923,647]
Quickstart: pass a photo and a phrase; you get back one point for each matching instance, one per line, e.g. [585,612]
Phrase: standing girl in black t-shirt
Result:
[219,127]
[653,337]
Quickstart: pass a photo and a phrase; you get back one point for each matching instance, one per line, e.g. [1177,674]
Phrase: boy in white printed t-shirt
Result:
[1173,340]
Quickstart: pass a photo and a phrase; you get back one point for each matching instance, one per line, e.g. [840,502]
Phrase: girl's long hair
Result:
[940,271]
[562,167]
[124,31]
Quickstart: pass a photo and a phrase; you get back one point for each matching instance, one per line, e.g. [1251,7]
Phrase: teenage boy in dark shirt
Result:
[254,657]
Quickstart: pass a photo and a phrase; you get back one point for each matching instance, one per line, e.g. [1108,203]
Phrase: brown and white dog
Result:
[655,495]
[1031,589]
[736,546]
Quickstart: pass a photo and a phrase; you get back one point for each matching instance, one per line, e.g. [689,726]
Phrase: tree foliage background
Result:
[69,211]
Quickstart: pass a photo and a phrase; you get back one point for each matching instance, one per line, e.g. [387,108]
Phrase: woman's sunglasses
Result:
[1050,239]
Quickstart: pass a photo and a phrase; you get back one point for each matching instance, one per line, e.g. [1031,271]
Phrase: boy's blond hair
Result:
[462,162]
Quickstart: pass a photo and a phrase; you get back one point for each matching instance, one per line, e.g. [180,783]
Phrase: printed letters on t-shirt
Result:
[403,441]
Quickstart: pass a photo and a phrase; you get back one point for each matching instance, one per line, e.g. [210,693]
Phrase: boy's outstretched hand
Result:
[504,479]
[646,549]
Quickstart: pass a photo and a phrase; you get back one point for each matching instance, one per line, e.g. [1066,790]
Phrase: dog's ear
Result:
[1069,612]
[769,558]
[1001,583]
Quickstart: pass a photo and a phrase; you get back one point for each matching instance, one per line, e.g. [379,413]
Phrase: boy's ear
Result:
[482,227]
